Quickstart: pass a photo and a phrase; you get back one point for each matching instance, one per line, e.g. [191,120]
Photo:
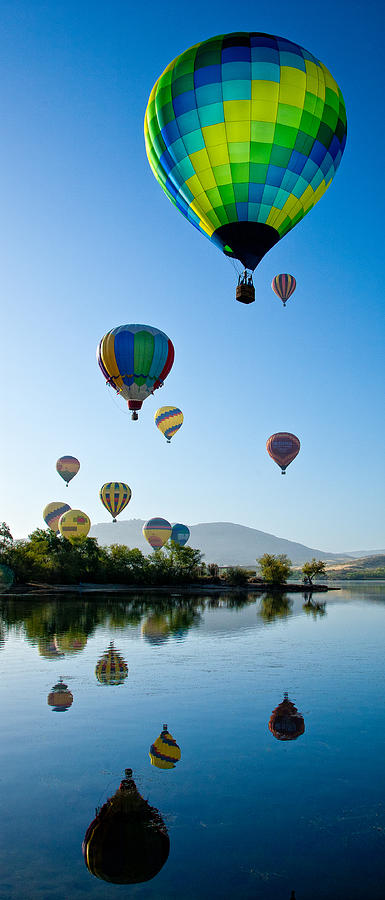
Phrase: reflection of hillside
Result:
[127,841]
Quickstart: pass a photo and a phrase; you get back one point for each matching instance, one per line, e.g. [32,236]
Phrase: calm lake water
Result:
[259,805]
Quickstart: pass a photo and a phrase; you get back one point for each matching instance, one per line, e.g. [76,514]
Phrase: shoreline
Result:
[35,588]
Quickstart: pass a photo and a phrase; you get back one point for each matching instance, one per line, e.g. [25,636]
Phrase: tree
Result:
[237,576]
[275,569]
[6,538]
[311,569]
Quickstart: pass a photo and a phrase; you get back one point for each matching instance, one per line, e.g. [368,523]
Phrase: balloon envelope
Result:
[180,533]
[74,524]
[52,513]
[67,467]
[283,447]
[135,360]
[115,495]
[169,420]
[111,667]
[157,531]
[244,133]
[284,286]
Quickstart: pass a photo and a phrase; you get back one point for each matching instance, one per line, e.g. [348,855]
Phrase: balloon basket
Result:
[245,293]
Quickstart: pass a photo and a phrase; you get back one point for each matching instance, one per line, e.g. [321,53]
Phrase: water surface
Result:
[244,813]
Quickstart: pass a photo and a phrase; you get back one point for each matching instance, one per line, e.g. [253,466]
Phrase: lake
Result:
[276,704]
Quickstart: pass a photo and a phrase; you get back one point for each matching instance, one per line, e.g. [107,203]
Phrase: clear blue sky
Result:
[89,241]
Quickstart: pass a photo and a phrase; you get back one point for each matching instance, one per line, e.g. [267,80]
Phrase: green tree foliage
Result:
[50,559]
[311,569]
[237,576]
[274,569]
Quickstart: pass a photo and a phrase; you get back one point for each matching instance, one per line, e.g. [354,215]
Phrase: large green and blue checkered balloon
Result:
[245,132]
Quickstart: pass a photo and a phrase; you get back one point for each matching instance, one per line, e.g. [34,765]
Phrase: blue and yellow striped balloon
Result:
[115,495]
[52,513]
[169,420]
[164,752]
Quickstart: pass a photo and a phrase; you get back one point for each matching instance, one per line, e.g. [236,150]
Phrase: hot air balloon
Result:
[52,513]
[180,534]
[157,532]
[283,447]
[111,667]
[286,723]
[67,467]
[115,495]
[169,420]
[135,360]
[164,752]
[74,524]
[127,842]
[284,286]
[60,697]
[244,133]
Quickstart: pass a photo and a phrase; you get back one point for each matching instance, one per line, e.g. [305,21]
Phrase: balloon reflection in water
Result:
[60,697]
[164,752]
[111,667]
[49,649]
[286,723]
[156,629]
[71,643]
[127,842]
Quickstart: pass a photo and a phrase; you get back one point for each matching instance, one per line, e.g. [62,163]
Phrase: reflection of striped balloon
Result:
[286,723]
[111,668]
[164,752]
[169,420]
[284,286]
[115,495]
[157,531]
[67,467]
[52,513]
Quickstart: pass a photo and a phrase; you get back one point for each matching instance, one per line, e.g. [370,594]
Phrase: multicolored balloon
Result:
[74,524]
[244,133]
[164,752]
[67,467]
[286,723]
[169,420]
[115,495]
[135,360]
[111,667]
[284,286]
[180,534]
[157,532]
[283,447]
[52,513]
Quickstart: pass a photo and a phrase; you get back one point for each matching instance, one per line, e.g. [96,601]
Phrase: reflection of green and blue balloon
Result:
[52,513]
[180,534]
[244,133]
[6,578]
[135,360]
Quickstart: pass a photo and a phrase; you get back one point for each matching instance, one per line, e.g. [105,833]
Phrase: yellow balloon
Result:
[74,524]
[169,420]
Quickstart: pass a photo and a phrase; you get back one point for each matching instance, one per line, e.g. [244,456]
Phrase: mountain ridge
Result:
[225,543]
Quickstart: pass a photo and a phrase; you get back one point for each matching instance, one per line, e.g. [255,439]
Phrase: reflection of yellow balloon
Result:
[70,642]
[111,667]
[49,649]
[164,752]
[60,697]
[74,524]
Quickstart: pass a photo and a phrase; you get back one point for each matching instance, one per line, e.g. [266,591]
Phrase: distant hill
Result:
[222,542]
[360,566]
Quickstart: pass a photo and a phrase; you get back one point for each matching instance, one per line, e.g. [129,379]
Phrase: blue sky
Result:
[89,241]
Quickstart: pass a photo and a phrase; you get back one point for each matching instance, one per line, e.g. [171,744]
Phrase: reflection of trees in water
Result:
[312,606]
[127,841]
[275,606]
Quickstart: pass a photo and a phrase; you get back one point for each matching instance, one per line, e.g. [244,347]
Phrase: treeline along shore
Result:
[46,560]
